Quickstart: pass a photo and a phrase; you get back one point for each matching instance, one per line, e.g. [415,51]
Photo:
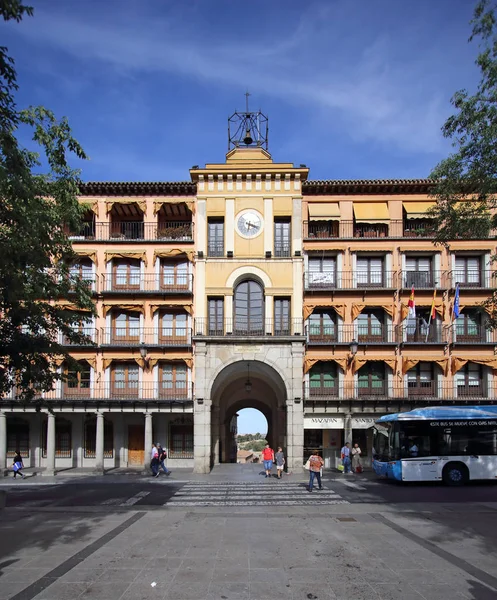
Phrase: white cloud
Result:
[369,94]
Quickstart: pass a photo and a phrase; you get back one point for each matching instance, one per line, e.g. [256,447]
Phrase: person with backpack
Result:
[162,457]
[316,463]
[18,465]
[268,458]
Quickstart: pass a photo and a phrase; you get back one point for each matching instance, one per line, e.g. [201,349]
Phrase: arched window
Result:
[249,308]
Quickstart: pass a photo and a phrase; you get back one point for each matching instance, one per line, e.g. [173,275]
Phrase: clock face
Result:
[249,224]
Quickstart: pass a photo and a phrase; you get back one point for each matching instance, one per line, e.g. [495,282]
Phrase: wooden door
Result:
[136,445]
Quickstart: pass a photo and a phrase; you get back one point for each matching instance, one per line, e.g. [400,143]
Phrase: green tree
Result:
[465,183]
[38,205]
[257,445]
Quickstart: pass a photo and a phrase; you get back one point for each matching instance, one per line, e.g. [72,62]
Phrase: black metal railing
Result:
[282,250]
[173,231]
[130,392]
[215,249]
[178,283]
[347,229]
[248,328]
[420,333]
[472,279]
[471,333]
[422,279]
[149,336]
[339,333]
[90,334]
[329,280]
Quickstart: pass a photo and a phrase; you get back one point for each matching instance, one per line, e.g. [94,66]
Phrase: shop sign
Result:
[323,422]
[363,422]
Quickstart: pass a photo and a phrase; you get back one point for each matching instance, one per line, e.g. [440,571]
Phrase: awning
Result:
[417,210]
[372,212]
[324,211]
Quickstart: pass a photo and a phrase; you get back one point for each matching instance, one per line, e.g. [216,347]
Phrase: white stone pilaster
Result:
[50,469]
[99,444]
[268,225]
[347,429]
[229,224]
[148,439]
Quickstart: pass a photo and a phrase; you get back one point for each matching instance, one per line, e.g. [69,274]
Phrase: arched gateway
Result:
[261,378]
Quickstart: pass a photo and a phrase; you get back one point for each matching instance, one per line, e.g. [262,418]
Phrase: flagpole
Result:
[428,330]
[432,308]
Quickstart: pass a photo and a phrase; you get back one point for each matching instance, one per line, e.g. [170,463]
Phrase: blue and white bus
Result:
[453,444]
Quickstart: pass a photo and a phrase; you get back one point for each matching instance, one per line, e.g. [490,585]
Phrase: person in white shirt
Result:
[154,460]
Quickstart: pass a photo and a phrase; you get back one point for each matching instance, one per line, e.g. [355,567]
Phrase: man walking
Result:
[316,463]
[268,458]
[162,457]
[154,461]
[346,457]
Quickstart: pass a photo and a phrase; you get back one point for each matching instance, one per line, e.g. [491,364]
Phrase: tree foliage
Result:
[36,210]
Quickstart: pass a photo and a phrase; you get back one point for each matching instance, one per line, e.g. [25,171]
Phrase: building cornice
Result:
[366,186]
[137,188]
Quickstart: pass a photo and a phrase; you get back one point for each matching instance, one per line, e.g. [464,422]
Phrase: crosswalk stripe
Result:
[134,499]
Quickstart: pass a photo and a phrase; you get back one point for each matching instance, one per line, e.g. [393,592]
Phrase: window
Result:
[90,450]
[83,270]
[469,381]
[323,379]
[322,327]
[417,330]
[322,271]
[468,271]
[78,382]
[469,327]
[421,380]
[17,437]
[282,237]
[126,328]
[282,316]
[418,273]
[181,440]
[249,308]
[173,328]
[124,380]
[63,441]
[126,275]
[215,237]
[371,380]
[370,272]
[83,327]
[172,381]
[371,326]
[174,276]
[216,316]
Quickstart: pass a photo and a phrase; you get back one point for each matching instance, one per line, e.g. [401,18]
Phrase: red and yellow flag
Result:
[412,305]
[433,312]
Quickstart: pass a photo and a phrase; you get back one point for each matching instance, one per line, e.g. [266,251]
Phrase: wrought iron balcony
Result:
[463,332]
[482,279]
[420,333]
[129,231]
[242,327]
[131,337]
[163,283]
[90,333]
[331,280]
[215,249]
[423,279]
[130,392]
[318,334]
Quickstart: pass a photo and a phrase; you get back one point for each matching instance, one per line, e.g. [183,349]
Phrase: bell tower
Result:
[248,129]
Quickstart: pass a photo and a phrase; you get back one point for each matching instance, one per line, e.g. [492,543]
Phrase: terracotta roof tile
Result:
[137,188]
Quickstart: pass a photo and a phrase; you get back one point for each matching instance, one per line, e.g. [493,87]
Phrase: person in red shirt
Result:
[316,463]
[268,458]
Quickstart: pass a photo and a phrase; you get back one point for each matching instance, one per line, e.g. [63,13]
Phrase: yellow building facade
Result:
[253,286]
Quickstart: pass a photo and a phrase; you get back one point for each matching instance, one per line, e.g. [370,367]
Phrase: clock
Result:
[249,223]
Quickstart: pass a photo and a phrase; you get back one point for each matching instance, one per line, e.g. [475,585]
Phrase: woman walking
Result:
[316,463]
[356,459]
[280,462]
[18,465]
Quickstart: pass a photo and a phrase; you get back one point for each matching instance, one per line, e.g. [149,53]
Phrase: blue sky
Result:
[251,420]
[353,89]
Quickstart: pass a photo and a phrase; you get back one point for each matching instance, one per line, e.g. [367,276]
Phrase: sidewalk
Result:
[373,552]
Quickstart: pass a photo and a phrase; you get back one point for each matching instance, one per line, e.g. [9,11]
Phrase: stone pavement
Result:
[346,552]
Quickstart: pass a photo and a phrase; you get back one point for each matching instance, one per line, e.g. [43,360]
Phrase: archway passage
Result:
[246,384]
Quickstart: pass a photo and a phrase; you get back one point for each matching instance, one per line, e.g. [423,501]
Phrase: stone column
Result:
[99,445]
[50,469]
[3,444]
[202,437]
[148,439]
[347,429]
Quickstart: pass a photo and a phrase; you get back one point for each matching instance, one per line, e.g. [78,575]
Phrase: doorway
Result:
[136,445]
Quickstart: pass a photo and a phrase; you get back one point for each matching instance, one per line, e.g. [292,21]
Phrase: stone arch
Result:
[248,272]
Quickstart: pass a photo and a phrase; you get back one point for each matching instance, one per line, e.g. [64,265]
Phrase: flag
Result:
[412,305]
[433,312]
[455,310]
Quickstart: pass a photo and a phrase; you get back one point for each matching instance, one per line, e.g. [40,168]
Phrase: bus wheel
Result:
[455,473]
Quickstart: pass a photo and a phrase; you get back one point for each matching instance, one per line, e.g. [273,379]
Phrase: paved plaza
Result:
[193,537]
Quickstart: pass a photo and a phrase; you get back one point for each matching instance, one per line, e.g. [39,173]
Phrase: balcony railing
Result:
[418,333]
[180,283]
[471,334]
[472,279]
[346,229]
[166,231]
[405,390]
[243,328]
[166,391]
[155,336]
[282,250]
[331,280]
[344,334]
[215,249]
[422,279]
[90,334]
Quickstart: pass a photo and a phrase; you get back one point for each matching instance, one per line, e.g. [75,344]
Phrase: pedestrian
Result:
[316,463]
[356,459]
[268,458]
[280,462]
[346,458]
[18,465]
[154,461]
[162,455]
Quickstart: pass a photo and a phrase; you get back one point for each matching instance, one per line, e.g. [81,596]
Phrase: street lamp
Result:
[352,350]
[144,355]
[248,383]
